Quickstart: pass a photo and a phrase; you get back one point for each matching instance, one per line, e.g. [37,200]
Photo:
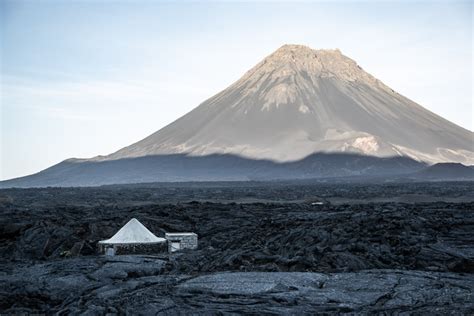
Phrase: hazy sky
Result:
[84,78]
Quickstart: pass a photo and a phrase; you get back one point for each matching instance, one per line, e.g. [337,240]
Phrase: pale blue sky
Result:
[85,78]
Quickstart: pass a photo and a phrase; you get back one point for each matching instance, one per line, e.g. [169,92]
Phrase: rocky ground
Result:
[265,248]
[140,285]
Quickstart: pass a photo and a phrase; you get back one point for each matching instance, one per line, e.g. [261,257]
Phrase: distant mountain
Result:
[298,113]
[446,171]
[179,168]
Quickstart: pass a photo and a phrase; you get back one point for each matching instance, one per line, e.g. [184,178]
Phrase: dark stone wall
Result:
[136,249]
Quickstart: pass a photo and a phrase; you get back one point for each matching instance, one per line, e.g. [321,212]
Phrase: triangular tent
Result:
[133,233]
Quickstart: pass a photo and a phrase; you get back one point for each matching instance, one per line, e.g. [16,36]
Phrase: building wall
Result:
[187,241]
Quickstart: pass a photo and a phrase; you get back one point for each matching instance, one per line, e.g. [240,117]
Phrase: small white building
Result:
[132,238]
[180,241]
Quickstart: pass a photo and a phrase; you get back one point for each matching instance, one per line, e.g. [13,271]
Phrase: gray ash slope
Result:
[300,113]
[299,101]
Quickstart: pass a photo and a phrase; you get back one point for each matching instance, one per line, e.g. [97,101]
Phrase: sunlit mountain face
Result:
[299,101]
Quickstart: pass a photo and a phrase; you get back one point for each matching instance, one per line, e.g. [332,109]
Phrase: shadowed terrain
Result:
[180,167]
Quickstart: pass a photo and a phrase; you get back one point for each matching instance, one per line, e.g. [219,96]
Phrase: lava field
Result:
[364,247]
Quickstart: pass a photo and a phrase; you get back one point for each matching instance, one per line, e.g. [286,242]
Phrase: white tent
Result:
[133,233]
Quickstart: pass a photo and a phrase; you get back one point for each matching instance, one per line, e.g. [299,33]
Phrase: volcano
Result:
[294,114]
[299,101]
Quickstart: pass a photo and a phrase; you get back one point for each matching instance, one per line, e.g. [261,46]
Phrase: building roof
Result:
[179,234]
[133,233]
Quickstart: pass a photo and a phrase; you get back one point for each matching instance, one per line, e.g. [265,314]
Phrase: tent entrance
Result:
[109,251]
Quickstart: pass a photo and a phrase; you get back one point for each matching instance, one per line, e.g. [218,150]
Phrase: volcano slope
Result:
[283,119]
[263,248]
[299,101]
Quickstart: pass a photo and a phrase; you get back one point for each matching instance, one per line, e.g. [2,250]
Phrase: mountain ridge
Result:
[216,167]
[446,171]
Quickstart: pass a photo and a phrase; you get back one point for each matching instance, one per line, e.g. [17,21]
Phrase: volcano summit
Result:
[295,110]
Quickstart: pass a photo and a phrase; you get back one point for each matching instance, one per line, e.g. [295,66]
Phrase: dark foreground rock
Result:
[137,285]
[305,292]
[287,255]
